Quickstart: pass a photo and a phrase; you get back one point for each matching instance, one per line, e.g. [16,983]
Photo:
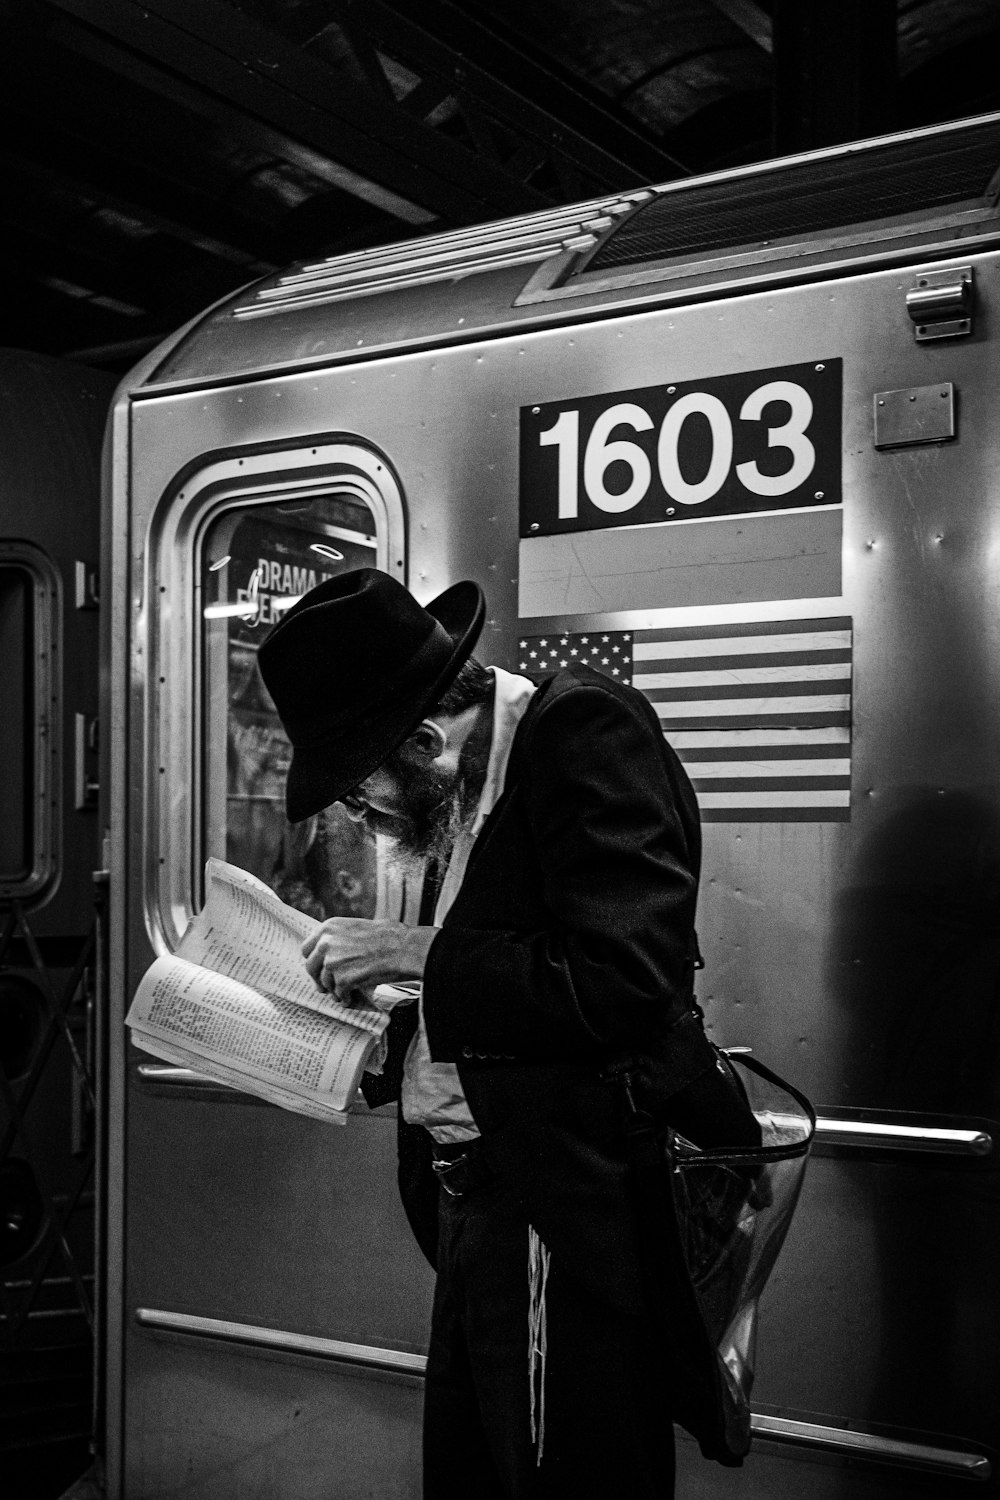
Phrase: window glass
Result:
[256,561]
[17,725]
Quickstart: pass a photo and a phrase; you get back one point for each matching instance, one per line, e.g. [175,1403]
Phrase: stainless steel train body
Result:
[738,435]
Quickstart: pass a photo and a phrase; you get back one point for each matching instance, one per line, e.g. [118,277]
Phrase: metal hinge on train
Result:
[940,304]
[87,589]
[85,746]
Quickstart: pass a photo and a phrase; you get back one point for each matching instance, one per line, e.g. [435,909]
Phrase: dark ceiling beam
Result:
[728,132]
[36,316]
[834,72]
[674,62]
[166,207]
[752,19]
[492,75]
[333,128]
[42,254]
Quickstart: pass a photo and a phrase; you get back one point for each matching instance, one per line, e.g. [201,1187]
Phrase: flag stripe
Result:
[741,630]
[776,815]
[800,721]
[744,790]
[741,798]
[702,769]
[651,644]
[751,755]
[715,707]
[739,677]
[741,661]
[736,741]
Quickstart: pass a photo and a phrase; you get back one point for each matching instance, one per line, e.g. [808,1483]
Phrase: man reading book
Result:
[561,841]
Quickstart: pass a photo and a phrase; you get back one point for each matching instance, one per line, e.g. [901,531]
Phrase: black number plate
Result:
[765,440]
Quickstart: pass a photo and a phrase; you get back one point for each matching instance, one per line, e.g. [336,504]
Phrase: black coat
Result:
[571,946]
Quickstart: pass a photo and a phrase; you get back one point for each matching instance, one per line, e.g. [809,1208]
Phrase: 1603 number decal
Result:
[738,443]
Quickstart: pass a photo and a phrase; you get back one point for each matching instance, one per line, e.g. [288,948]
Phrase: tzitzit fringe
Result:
[538,1276]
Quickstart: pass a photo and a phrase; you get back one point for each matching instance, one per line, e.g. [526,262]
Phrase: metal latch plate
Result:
[940,304]
[919,414]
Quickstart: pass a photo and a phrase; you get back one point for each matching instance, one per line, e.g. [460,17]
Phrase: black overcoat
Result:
[569,947]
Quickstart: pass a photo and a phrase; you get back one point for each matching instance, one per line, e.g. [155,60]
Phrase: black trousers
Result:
[607,1426]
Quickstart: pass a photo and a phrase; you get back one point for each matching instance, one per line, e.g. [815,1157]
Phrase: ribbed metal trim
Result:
[464,252]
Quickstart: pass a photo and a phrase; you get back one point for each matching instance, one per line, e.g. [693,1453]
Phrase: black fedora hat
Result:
[353,667]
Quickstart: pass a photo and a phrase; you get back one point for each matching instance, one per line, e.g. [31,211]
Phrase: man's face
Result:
[417,806]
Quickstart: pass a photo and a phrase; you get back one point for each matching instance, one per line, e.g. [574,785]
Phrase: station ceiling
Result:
[159,154]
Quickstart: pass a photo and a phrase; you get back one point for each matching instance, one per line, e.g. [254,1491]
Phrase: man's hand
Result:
[353,953]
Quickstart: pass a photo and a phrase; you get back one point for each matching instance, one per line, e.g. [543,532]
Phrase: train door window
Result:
[29,722]
[241,542]
[256,563]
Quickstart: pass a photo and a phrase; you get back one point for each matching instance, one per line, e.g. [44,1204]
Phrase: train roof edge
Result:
[698,237]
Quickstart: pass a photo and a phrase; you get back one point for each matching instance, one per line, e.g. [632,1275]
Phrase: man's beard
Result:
[436,807]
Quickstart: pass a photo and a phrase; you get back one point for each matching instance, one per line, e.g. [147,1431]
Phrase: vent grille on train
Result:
[464,252]
[880,182]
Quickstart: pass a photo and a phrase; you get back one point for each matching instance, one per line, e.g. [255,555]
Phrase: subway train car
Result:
[733,440]
[52,420]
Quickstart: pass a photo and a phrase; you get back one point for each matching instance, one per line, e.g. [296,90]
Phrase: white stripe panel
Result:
[742,645]
[750,768]
[707,800]
[734,677]
[704,708]
[705,739]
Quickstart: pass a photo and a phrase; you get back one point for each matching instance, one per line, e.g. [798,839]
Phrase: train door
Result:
[52,417]
[275,1305]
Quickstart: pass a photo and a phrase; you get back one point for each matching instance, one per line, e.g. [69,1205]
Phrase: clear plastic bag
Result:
[710,1225]
[731,1210]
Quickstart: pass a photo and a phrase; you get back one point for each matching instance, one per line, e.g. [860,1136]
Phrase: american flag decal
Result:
[760,714]
[607,651]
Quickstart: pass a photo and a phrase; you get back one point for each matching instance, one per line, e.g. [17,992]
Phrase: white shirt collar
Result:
[513,694]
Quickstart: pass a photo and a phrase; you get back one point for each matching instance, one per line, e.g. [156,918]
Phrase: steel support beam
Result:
[475,62]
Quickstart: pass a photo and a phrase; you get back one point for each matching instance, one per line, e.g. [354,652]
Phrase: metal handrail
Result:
[861,1135]
[851,1443]
[397,1361]
[874,1136]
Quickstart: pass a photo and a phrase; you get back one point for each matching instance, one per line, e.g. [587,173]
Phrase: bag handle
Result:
[743,1156]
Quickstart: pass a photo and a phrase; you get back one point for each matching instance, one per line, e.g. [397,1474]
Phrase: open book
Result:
[236,1003]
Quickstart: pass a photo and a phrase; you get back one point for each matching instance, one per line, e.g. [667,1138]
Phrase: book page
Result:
[246,932]
[219,1021]
[219,1073]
